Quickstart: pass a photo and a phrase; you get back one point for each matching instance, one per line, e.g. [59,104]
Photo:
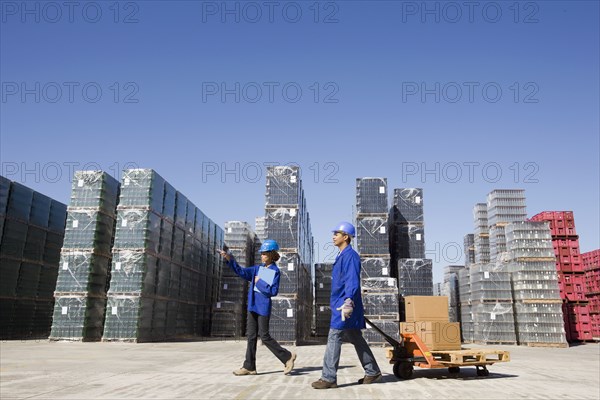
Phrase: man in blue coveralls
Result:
[347,313]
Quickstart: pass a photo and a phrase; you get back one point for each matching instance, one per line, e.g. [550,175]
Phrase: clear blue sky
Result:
[365,116]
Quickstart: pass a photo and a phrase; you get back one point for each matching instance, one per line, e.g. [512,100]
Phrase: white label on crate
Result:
[75,223]
[224,286]
[540,286]
[418,236]
[64,310]
[322,308]
[534,309]
[218,304]
[384,271]
[492,316]
[290,313]
[80,183]
[293,178]
[391,282]
[124,222]
[418,199]
[290,266]
[382,229]
[118,266]
[126,183]
[321,287]
[65,266]
[292,212]
[486,274]
[229,230]
[381,189]
[115,310]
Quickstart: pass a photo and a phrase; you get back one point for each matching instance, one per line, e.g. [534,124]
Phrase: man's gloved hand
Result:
[346,309]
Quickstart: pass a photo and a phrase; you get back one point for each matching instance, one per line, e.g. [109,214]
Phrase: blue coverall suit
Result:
[259,313]
[345,284]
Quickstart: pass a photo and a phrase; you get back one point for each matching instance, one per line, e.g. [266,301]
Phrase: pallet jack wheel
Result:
[403,370]
[483,371]
[454,370]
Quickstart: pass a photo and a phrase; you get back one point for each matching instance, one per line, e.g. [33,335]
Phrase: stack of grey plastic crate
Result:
[229,313]
[481,237]
[32,228]
[287,221]
[450,289]
[322,298]
[503,206]
[491,304]
[512,291]
[407,243]
[165,266]
[469,249]
[259,237]
[379,288]
[85,258]
[466,309]
[535,290]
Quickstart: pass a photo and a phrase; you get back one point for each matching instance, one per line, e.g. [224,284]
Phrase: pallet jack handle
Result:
[387,337]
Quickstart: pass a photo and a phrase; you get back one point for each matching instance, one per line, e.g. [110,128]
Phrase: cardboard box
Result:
[437,336]
[426,308]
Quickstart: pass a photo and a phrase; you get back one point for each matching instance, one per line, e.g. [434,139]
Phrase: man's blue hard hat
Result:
[345,227]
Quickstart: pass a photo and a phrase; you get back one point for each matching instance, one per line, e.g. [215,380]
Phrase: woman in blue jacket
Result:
[259,308]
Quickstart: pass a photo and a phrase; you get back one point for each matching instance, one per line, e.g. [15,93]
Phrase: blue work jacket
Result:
[259,303]
[345,283]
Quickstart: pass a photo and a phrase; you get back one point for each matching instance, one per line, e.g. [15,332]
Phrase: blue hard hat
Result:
[268,245]
[345,227]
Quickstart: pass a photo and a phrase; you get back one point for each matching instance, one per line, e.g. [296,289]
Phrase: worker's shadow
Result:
[463,375]
[303,370]
[432,374]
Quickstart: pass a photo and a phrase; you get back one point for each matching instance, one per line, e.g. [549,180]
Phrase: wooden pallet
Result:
[555,345]
[471,357]
[464,357]
[497,342]
[539,301]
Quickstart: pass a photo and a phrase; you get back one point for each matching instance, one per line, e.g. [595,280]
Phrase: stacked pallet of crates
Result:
[165,268]
[492,304]
[407,244]
[591,263]
[537,302]
[571,273]
[469,249]
[481,237]
[450,288]
[322,299]
[229,313]
[287,222]
[259,237]
[480,257]
[379,287]
[85,258]
[504,206]
[31,235]
[466,309]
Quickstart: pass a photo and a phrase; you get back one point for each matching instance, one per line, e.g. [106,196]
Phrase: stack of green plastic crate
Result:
[85,258]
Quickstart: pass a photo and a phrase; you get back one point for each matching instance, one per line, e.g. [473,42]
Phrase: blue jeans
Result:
[331,361]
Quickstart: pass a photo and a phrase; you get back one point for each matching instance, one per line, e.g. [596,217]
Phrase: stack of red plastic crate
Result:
[571,274]
[591,264]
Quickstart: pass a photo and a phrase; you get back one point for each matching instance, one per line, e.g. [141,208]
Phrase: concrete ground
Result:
[202,370]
